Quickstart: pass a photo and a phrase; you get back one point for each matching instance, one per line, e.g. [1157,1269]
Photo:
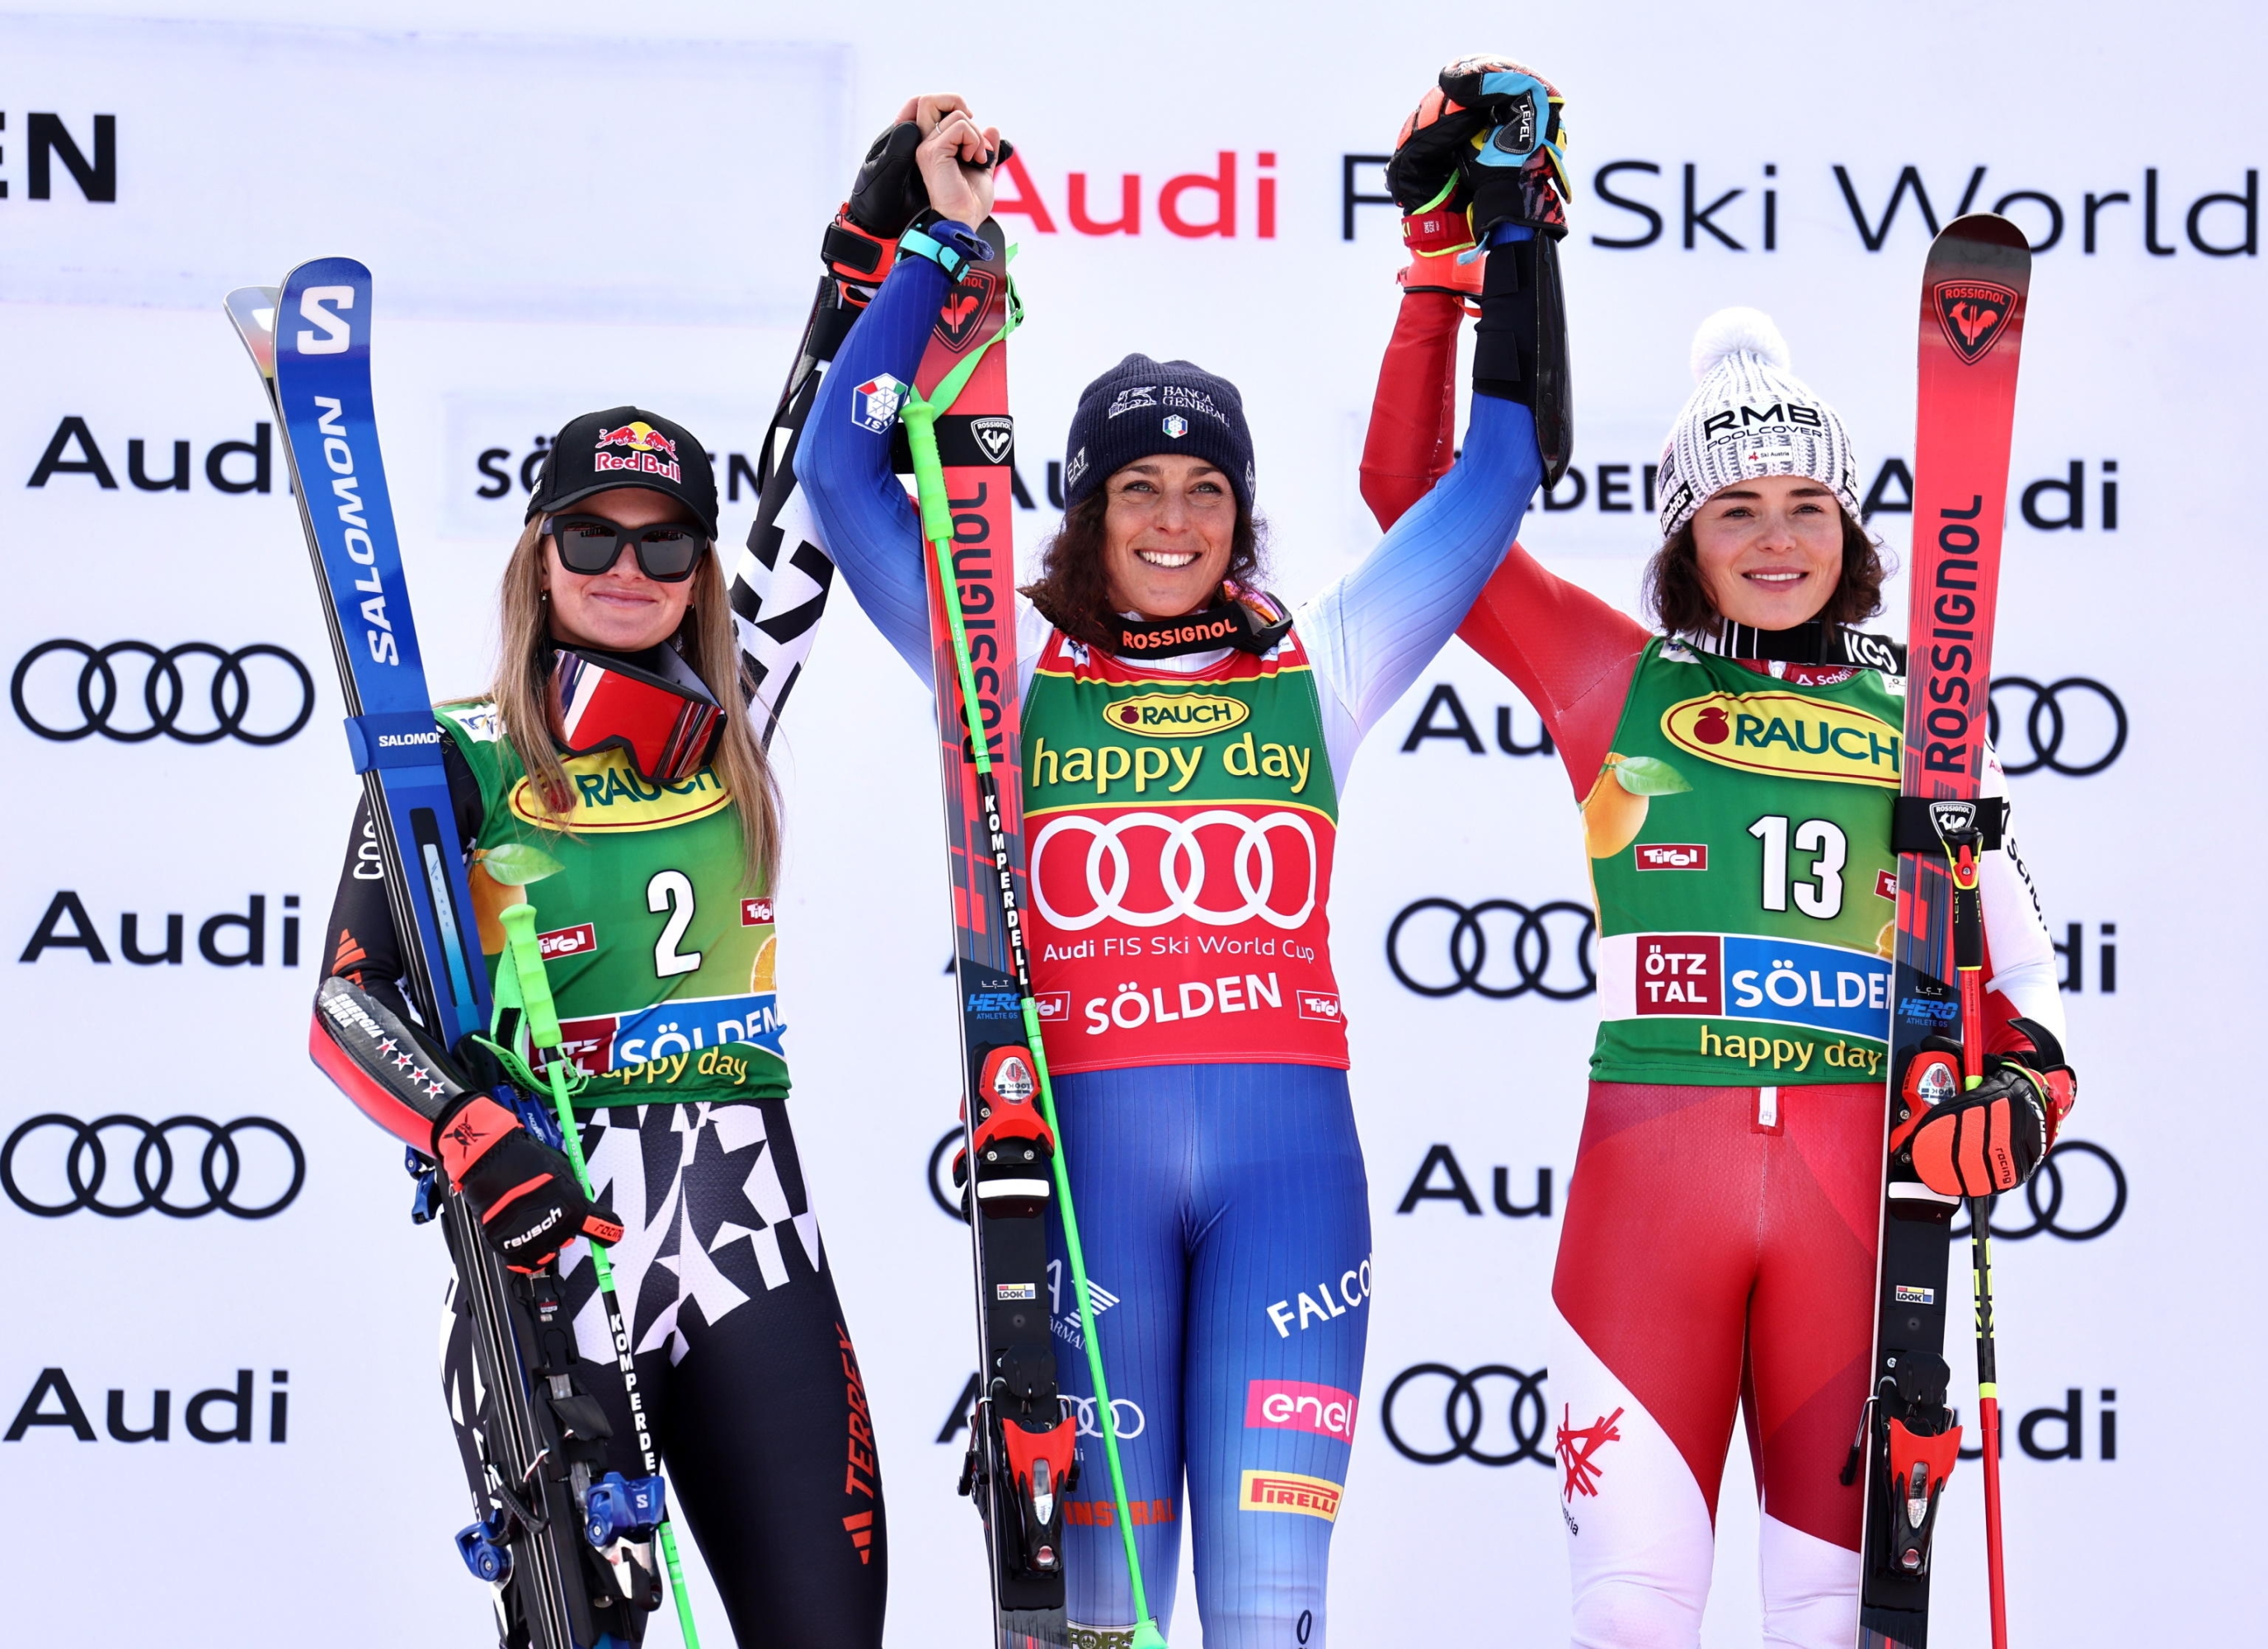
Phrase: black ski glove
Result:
[886,198]
[526,1191]
[1482,148]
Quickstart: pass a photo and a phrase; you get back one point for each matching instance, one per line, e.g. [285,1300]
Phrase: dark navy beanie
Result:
[1141,407]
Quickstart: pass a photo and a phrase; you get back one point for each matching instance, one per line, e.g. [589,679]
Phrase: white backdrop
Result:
[625,208]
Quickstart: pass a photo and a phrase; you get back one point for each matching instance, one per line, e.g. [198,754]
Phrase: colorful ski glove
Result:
[1974,1142]
[526,1191]
[1485,146]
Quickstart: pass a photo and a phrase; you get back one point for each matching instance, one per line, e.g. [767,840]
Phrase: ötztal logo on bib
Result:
[1786,733]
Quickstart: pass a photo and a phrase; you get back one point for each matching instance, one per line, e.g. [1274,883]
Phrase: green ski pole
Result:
[921,418]
[526,979]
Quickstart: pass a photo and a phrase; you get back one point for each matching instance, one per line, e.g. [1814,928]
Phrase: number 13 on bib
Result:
[1972,317]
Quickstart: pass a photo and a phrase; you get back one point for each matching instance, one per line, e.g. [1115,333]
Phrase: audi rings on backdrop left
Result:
[164,695]
[1529,952]
[87,1164]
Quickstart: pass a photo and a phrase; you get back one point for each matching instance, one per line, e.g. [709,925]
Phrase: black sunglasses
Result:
[589,544]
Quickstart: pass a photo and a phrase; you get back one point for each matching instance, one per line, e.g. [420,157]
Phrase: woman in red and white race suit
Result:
[1719,1239]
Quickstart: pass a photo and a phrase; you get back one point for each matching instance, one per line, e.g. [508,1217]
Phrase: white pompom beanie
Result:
[1749,415]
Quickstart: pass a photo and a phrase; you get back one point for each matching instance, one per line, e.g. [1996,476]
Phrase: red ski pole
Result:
[1968,960]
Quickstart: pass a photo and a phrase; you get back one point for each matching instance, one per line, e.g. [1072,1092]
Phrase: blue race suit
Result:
[1223,1204]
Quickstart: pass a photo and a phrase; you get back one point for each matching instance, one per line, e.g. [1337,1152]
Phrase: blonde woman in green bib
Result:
[610,777]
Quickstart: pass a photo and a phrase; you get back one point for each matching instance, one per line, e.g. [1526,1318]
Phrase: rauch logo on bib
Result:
[1785,732]
[1176,715]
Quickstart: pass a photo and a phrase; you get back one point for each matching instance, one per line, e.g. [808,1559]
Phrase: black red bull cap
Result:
[626,446]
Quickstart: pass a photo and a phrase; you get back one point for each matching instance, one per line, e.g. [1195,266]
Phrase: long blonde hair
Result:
[704,641]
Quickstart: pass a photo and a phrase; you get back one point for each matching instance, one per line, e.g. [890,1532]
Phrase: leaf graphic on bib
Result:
[1615,811]
[1646,775]
[517,864]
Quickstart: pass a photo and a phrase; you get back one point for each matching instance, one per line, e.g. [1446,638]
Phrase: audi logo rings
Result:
[2046,726]
[1463,1415]
[2044,1193]
[1090,1415]
[164,694]
[86,1164]
[1529,950]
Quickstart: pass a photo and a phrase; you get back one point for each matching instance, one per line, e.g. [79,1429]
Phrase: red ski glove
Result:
[1992,1137]
[529,1202]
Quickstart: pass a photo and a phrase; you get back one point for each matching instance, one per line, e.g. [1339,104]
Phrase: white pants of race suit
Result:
[1642,1556]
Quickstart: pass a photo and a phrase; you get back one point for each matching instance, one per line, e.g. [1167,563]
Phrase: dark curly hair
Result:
[1073,589]
[1680,601]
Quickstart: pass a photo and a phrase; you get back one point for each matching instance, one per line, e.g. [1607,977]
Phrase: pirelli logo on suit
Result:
[1290,1492]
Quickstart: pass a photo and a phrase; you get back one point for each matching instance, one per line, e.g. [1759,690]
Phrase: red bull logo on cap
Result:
[651,453]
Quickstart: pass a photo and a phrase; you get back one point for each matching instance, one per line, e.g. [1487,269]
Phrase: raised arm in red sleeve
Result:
[1569,652]
[1413,418]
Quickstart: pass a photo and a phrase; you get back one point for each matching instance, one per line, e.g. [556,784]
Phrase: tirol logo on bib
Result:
[1180,830]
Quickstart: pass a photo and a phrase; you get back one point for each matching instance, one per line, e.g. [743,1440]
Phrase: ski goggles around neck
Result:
[667,552]
[668,725]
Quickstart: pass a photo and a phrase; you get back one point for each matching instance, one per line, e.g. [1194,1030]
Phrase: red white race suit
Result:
[1719,1245]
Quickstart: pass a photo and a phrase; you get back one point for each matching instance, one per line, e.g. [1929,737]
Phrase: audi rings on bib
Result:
[1530,952]
[1090,1419]
[2045,727]
[1463,1415]
[1107,850]
[2045,1196]
[87,1162]
[163,694]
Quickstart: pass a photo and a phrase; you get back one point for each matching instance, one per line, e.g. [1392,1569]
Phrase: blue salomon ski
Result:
[535,1430]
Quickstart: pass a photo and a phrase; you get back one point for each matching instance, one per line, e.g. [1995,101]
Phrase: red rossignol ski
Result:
[1022,1450]
[1972,318]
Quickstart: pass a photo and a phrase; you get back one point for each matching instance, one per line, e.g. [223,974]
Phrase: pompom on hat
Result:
[1749,415]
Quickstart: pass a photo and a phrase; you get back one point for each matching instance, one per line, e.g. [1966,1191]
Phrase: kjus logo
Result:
[1177,715]
[211,699]
[1531,958]
[1464,1426]
[53,1165]
[224,1414]
[1973,314]
[1785,732]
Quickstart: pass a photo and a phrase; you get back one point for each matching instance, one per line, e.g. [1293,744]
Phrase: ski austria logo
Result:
[1786,733]
[1177,715]
[650,452]
[874,404]
[995,435]
[1974,314]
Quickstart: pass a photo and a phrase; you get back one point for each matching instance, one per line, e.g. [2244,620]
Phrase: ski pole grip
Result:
[524,951]
[929,468]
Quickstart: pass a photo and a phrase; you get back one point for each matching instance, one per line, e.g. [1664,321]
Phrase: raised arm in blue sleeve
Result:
[869,525]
